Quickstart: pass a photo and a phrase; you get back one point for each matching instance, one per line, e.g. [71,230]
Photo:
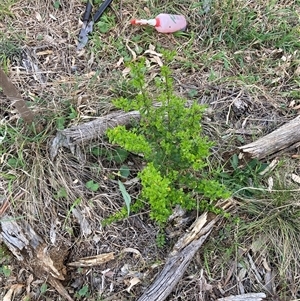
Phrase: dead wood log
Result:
[173,271]
[286,136]
[245,297]
[30,249]
[178,260]
[84,133]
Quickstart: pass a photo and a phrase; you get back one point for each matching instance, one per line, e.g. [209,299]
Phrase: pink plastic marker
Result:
[165,23]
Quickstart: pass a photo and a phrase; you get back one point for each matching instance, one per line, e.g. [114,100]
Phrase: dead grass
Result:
[241,59]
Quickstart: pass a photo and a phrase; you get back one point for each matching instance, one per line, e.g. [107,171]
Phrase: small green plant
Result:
[83,292]
[106,23]
[60,122]
[117,155]
[9,50]
[170,139]
[4,268]
[61,193]
[160,239]
[69,114]
[73,113]
[241,177]
[117,216]
[56,4]
[91,185]
[73,206]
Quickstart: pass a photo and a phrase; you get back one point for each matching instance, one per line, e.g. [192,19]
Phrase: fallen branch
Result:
[179,259]
[84,133]
[287,136]
[245,297]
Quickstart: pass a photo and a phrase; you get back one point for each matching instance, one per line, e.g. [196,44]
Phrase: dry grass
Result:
[241,59]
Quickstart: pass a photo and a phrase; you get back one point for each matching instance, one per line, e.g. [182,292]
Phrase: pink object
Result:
[165,23]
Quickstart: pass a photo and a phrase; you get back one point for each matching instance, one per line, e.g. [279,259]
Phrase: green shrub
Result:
[170,138]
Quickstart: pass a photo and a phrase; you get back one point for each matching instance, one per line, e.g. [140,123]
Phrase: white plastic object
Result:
[165,23]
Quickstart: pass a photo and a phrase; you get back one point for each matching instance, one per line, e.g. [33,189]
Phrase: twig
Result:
[13,94]
[6,204]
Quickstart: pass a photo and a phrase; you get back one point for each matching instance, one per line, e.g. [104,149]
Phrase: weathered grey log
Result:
[84,133]
[178,260]
[181,255]
[245,297]
[284,137]
[20,241]
[30,249]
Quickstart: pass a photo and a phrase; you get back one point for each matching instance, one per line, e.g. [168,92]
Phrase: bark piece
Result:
[286,136]
[93,260]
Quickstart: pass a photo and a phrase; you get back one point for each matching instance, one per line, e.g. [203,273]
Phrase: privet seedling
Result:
[170,138]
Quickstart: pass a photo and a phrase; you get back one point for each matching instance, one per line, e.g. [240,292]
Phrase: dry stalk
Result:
[13,95]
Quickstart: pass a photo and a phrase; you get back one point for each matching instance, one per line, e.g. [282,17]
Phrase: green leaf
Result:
[234,161]
[124,171]
[13,162]
[119,155]
[224,175]
[192,93]
[91,185]
[5,270]
[43,288]
[99,151]
[125,195]
[262,167]
[56,4]
[60,123]
[240,139]
[73,114]
[83,291]
[61,193]
[103,27]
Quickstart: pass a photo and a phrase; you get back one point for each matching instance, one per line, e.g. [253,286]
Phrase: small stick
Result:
[6,204]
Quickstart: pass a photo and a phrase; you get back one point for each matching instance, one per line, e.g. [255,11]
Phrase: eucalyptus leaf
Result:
[125,195]
[234,161]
